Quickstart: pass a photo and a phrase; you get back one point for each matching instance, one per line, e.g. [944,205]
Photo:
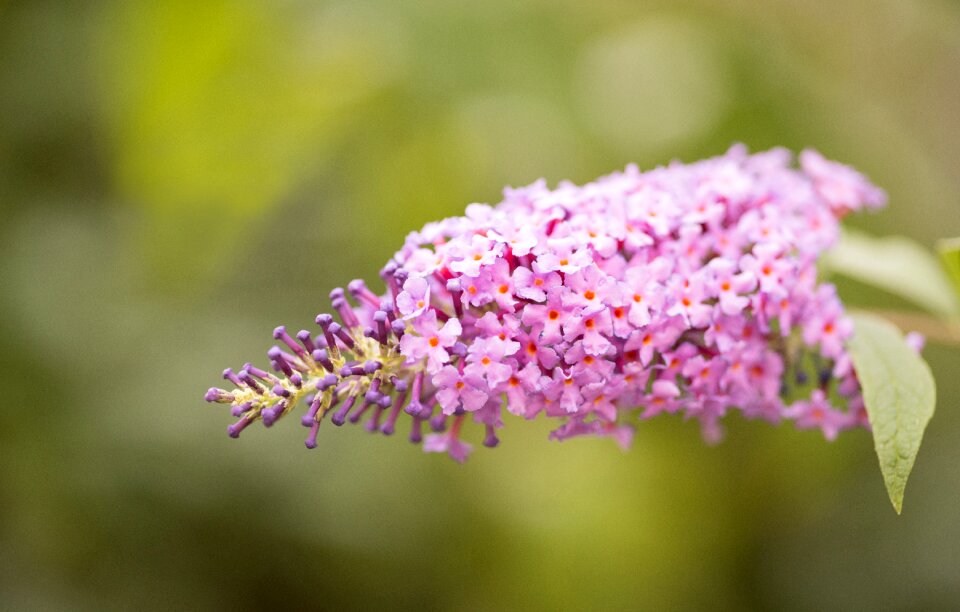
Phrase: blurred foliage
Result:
[176,178]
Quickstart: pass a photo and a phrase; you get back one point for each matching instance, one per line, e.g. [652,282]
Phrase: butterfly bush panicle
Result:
[687,289]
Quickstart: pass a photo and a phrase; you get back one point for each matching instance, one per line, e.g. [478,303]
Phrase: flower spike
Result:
[687,289]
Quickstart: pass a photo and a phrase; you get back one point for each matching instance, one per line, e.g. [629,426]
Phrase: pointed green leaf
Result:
[897,265]
[950,255]
[899,393]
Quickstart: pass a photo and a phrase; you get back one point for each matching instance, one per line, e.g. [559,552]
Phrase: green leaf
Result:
[899,393]
[897,265]
[950,256]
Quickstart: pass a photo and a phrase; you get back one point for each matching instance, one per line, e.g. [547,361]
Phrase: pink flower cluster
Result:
[687,289]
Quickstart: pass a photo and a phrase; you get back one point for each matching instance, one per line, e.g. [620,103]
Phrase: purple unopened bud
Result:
[491,440]
[459,349]
[387,274]
[240,409]
[398,328]
[373,394]
[280,333]
[229,375]
[235,429]
[415,408]
[359,370]
[311,441]
[416,430]
[279,390]
[270,415]
[321,357]
[388,269]
[373,425]
[250,382]
[356,416]
[325,321]
[387,306]
[342,335]
[358,289]
[261,374]
[326,382]
[342,306]
[306,340]
[280,357]
[380,318]
[219,396]
[390,426]
[310,417]
[401,276]
[340,416]
[297,380]
[279,361]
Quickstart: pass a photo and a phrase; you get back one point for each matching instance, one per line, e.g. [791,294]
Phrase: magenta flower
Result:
[731,287]
[486,359]
[479,252]
[589,290]
[460,390]
[817,413]
[532,286]
[687,289]
[430,341]
[414,300]
[523,383]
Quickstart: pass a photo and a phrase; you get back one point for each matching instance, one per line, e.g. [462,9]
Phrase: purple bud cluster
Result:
[687,289]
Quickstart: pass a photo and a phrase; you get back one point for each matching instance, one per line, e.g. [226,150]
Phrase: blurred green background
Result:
[177,178]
